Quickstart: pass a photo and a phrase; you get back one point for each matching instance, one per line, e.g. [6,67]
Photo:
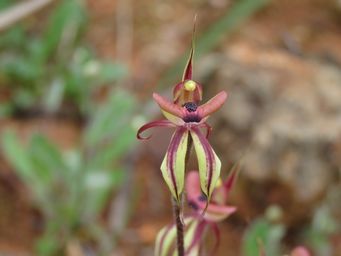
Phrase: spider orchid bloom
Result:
[196,226]
[188,120]
[217,210]
[188,117]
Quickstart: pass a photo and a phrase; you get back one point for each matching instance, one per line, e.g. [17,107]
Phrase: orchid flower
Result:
[188,117]
[196,224]
[217,210]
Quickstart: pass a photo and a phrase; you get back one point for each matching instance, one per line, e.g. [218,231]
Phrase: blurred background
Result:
[76,79]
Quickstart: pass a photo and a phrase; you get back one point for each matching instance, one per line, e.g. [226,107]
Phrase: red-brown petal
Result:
[213,104]
[168,106]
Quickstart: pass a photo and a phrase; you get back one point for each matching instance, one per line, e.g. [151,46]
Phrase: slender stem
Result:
[179,228]
[177,210]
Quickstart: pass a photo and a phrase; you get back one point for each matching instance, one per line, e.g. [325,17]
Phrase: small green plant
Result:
[41,71]
[72,188]
[324,226]
[265,233]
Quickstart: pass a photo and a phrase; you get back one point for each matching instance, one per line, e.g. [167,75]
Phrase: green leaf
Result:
[47,245]
[54,95]
[46,159]
[68,13]
[24,98]
[17,156]
[6,109]
[107,154]
[5,3]
[14,37]
[263,234]
[20,68]
[20,159]
[111,71]
[111,118]
[98,186]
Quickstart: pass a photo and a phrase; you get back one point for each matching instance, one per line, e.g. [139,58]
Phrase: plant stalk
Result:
[179,228]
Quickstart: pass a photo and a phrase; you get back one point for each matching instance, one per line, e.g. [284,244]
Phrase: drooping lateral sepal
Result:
[173,165]
[208,161]
[159,123]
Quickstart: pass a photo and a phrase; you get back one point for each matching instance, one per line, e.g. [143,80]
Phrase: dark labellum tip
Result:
[202,198]
[190,106]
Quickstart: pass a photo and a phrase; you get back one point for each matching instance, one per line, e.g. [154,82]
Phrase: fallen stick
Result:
[20,11]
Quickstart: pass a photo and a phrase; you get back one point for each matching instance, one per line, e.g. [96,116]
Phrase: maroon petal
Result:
[159,123]
[232,177]
[212,105]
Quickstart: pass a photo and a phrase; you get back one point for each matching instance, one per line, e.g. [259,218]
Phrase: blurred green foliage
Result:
[47,71]
[44,70]
[265,234]
[323,226]
[72,188]
[239,12]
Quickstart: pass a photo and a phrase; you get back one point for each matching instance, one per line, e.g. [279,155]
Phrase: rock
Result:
[283,114]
